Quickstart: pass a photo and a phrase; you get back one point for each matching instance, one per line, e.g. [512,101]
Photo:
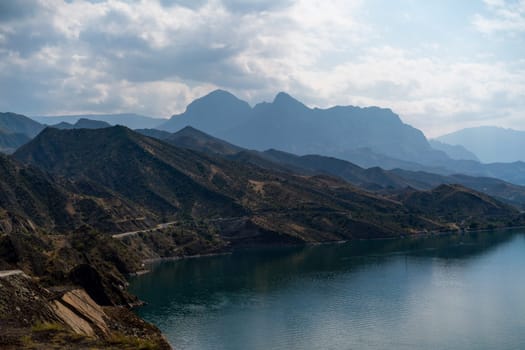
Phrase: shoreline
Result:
[306,244]
[421,235]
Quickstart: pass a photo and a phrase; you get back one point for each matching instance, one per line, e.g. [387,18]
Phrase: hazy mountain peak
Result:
[490,143]
[453,151]
[211,113]
[17,123]
[189,130]
[222,93]
[283,99]
[218,98]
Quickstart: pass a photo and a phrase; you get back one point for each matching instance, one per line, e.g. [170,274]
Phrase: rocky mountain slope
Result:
[372,179]
[174,183]
[9,142]
[89,205]
[287,124]
[367,137]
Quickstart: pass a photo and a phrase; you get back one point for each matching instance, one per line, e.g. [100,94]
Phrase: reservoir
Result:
[447,292]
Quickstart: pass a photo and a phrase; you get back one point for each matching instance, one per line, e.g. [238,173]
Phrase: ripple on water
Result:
[344,297]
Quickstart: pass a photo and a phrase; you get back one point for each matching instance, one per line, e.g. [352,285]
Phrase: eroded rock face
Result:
[78,311]
[35,317]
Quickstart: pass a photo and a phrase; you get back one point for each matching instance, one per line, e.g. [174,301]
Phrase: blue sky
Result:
[440,64]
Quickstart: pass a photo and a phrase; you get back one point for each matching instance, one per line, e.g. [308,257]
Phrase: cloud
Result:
[155,56]
[431,93]
[504,16]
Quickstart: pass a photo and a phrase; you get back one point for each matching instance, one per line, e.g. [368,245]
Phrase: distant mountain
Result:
[19,124]
[287,124]
[380,180]
[457,152]
[132,121]
[372,179]
[214,113]
[491,144]
[82,123]
[192,138]
[368,137]
[9,142]
[63,126]
[155,133]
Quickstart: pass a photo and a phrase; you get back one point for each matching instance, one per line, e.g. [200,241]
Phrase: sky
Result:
[440,64]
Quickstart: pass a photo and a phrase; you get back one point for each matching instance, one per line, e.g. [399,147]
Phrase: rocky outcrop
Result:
[66,317]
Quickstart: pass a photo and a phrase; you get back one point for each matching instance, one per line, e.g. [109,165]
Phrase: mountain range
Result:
[82,123]
[368,137]
[165,182]
[457,152]
[83,207]
[372,179]
[491,144]
[288,125]
[131,120]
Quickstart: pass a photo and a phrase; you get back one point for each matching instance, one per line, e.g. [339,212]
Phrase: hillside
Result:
[9,142]
[454,203]
[141,169]
[196,140]
[29,198]
[80,274]
[19,124]
[176,183]
[372,179]
[490,144]
[60,223]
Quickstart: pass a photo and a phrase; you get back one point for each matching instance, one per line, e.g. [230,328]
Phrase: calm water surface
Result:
[465,292]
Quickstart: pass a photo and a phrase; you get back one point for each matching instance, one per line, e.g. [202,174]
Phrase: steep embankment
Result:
[34,317]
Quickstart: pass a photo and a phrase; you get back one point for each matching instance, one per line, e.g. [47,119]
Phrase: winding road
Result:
[133,233]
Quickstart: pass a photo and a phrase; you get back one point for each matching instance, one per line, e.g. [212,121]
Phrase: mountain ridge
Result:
[326,130]
[131,120]
[368,137]
[18,123]
[174,183]
[491,144]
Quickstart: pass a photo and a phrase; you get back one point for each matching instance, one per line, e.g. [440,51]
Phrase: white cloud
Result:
[148,57]
[504,16]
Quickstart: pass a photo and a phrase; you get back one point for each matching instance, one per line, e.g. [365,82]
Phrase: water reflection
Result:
[368,294]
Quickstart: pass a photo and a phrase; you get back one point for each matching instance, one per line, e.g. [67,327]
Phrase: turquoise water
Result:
[462,292]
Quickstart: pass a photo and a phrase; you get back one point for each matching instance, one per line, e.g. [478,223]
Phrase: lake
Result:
[449,292]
